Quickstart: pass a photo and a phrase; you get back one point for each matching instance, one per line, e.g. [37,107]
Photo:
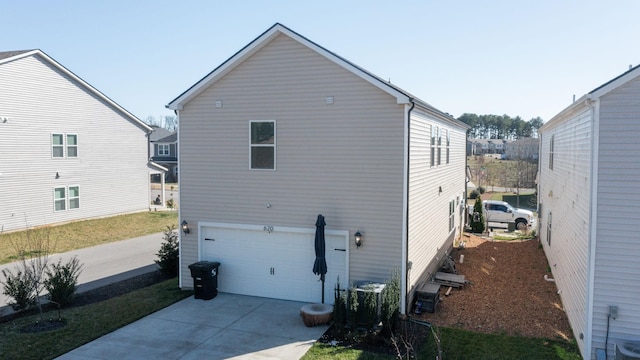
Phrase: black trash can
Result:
[205,279]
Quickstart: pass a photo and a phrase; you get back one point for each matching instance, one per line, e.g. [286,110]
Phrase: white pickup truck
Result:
[501,212]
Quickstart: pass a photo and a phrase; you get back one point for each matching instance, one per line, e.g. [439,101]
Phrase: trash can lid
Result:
[204,265]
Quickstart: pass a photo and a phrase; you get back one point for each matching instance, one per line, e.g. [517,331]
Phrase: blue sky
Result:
[520,58]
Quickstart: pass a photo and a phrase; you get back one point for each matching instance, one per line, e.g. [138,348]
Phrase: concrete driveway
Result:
[226,327]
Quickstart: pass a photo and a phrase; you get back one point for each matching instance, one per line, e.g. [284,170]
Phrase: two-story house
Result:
[67,151]
[285,130]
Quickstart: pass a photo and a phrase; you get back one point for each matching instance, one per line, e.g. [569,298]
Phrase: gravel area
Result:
[508,293]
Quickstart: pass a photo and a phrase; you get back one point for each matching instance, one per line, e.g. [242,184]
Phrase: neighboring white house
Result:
[589,192]
[285,130]
[67,152]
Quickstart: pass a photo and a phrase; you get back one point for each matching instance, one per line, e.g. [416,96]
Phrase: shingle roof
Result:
[8,54]
[614,79]
[158,133]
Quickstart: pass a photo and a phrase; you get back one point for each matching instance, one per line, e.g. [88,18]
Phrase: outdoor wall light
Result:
[358,238]
[185,227]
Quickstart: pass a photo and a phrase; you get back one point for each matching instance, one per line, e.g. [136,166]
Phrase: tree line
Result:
[500,126]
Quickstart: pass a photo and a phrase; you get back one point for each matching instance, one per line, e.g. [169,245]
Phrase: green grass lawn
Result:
[85,323]
[81,234]
[463,345]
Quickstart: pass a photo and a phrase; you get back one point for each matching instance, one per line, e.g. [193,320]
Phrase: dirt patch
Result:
[508,293]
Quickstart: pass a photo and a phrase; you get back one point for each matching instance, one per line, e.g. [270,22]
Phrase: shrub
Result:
[339,306]
[19,287]
[352,310]
[170,204]
[481,189]
[477,222]
[169,254]
[62,280]
[474,194]
[390,301]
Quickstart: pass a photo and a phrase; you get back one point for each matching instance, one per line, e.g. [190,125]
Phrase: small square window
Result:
[72,145]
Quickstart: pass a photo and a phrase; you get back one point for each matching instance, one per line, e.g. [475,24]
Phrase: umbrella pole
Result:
[323,291]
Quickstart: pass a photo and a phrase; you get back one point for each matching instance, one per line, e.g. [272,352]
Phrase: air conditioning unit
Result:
[627,350]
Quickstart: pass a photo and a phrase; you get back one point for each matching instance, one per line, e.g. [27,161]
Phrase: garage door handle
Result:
[207,239]
[340,249]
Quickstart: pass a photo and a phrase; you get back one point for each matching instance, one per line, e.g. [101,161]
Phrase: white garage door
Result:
[275,264]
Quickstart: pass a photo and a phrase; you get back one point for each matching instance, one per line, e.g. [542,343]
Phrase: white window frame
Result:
[448,139]
[62,200]
[252,146]
[70,198]
[439,141]
[74,146]
[55,146]
[164,150]
[551,151]
[65,146]
[433,146]
[67,199]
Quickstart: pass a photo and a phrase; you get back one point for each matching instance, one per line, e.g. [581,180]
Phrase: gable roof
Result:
[614,83]
[594,94]
[402,97]
[158,133]
[9,56]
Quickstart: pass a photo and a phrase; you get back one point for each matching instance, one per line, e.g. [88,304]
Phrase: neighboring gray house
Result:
[164,151]
[285,130]
[589,193]
[522,149]
[67,152]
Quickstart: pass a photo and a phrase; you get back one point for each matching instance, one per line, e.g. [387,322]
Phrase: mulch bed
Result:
[508,293]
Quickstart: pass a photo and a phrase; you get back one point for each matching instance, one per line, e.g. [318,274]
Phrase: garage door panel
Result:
[277,264]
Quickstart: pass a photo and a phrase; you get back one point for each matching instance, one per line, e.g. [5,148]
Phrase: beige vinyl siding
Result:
[429,236]
[565,191]
[617,268]
[111,167]
[343,160]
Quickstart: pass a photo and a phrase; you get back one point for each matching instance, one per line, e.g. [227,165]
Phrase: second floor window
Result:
[163,150]
[263,145]
[64,145]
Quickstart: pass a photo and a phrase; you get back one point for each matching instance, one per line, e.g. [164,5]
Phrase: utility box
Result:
[427,297]
[367,291]
[205,279]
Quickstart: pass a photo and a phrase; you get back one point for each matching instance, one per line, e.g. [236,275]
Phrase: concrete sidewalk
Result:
[105,264]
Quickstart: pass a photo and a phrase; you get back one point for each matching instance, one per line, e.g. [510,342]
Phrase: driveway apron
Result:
[225,327]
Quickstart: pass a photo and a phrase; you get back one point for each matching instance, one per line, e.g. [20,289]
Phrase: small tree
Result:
[169,254]
[477,218]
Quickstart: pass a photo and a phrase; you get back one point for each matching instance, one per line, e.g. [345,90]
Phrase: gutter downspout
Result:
[406,267]
[180,250]
[594,106]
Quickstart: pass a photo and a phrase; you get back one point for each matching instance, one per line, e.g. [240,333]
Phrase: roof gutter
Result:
[406,266]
